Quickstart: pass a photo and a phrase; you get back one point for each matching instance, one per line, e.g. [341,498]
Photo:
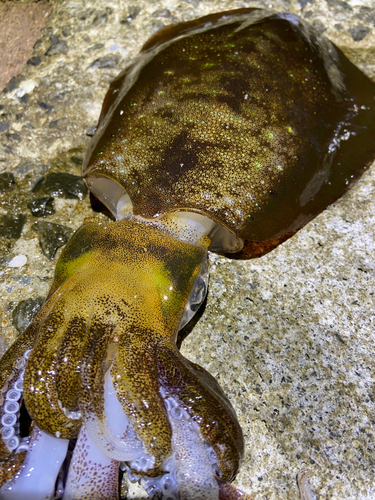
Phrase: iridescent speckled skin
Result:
[244,125]
[247,118]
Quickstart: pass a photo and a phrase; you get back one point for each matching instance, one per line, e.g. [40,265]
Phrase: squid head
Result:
[227,133]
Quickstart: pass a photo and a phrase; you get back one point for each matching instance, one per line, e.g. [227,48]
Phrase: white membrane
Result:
[186,226]
[107,191]
[124,207]
[303,485]
[190,227]
[114,436]
[37,476]
[197,295]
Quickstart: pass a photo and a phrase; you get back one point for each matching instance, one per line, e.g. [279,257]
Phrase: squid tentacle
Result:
[69,361]
[92,475]
[195,472]
[201,396]
[138,394]
[12,445]
[100,408]
[41,393]
[10,402]
[36,477]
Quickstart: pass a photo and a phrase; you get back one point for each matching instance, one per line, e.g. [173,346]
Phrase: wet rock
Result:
[366,15]
[30,169]
[23,280]
[359,32]
[51,237]
[339,4]
[162,13]
[91,131]
[7,182]
[42,207]
[11,225]
[9,307]
[62,185]
[156,26]
[12,84]
[134,10]
[66,31]
[319,26]
[106,62]
[86,14]
[25,311]
[8,150]
[101,18]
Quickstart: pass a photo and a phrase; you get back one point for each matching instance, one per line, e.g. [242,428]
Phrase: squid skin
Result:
[227,133]
[248,117]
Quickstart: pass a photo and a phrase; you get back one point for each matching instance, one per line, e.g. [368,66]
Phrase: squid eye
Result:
[197,296]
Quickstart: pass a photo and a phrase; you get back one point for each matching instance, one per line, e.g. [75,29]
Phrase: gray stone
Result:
[34,61]
[359,32]
[57,46]
[41,207]
[61,184]
[105,62]
[51,237]
[11,225]
[4,126]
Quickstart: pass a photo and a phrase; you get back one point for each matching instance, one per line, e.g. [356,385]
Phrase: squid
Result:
[227,133]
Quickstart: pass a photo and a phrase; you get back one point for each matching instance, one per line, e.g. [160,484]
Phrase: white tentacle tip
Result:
[303,485]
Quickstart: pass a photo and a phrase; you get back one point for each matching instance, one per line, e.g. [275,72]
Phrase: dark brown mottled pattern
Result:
[244,125]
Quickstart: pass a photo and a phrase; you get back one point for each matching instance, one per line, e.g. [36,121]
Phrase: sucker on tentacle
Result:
[233,147]
[10,395]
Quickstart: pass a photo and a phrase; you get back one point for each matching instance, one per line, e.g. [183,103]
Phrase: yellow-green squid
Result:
[228,133]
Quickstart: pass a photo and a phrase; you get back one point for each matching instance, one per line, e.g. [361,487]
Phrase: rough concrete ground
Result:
[289,336]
